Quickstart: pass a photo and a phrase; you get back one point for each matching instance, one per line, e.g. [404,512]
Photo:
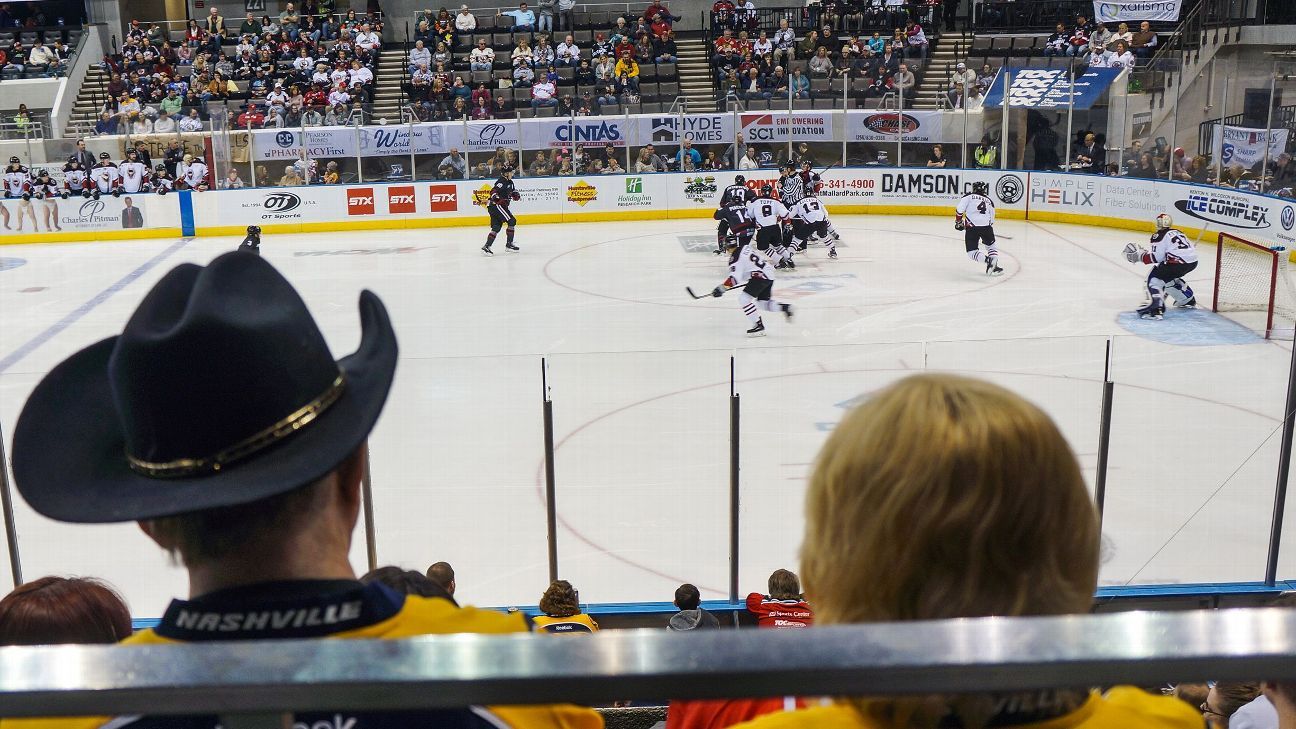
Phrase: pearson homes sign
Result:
[1116,11]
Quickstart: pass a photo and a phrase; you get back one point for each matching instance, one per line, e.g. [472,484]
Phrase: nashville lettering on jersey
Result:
[259,620]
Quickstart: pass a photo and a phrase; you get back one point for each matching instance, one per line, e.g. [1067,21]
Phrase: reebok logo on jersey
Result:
[360,201]
[400,199]
[444,198]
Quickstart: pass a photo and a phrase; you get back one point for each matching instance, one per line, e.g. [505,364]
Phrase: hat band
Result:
[261,440]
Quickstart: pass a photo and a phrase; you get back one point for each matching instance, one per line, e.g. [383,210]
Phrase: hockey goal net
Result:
[1251,276]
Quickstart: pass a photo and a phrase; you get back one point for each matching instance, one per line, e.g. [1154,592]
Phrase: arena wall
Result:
[1118,202]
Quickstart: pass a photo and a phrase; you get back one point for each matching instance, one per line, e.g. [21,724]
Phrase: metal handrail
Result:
[951,656]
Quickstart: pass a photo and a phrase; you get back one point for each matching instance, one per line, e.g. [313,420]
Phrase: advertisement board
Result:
[670,129]
[128,216]
[1048,88]
[895,189]
[320,142]
[584,131]
[1117,11]
[881,126]
[776,126]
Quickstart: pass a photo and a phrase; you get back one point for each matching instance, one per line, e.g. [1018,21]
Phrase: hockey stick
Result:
[707,295]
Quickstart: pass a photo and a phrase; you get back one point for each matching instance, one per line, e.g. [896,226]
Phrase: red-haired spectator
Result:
[562,614]
[55,610]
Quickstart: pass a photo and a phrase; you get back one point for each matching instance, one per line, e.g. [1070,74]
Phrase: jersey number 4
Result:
[981,207]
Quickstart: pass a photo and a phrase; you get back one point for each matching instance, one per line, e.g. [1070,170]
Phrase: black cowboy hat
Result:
[220,391]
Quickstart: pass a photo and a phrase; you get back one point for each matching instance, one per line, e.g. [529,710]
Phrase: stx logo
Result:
[360,201]
[444,198]
[400,199]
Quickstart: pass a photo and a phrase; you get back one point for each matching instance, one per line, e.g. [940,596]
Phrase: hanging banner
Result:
[1116,11]
[1246,146]
[486,136]
[586,131]
[386,141]
[1048,88]
[775,126]
[699,128]
[881,126]
[286,144]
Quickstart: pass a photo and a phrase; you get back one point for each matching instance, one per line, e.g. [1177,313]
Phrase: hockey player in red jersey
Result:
[783,607]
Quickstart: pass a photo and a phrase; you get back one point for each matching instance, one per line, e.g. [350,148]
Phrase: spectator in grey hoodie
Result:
[691,616]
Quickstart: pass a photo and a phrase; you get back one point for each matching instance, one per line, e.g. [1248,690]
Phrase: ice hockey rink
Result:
[639,377]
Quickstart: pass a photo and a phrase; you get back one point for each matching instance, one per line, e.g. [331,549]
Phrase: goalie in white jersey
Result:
[751,269]
[769,215]
[134,174]
[810,221]
[1172,257]
[975,216]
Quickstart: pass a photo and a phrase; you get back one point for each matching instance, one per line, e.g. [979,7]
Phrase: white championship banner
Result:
[1116,11]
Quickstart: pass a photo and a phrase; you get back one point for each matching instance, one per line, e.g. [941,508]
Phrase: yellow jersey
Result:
[1124,707]
[332,609]
[572,625]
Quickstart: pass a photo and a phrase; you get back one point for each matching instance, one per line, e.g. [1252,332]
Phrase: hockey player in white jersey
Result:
[809,221]
[1172,257]
[194,171]
[134,174]
[975,216]
[770,214]
[16,180]
[17,186]
[76,181]
[46,192]
[105,179]
[750,269]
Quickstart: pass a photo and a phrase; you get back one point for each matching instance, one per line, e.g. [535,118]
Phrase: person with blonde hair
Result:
[948,497]
[562,614]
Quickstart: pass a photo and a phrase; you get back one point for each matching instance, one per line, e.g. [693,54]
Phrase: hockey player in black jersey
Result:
[738,227]
[163,181]
[736,195]
[251,243]
[501,195]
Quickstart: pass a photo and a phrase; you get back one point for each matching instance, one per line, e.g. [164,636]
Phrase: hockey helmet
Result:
[740,180]
[40,173]
[130,152]
[160,168]
[981,188]
[767,189]
[506,170]
[104,155]
[14,160]
[254,230]
[1164,222]
[73,160]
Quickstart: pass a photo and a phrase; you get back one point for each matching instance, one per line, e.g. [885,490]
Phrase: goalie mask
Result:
[1164,222]
[981,188]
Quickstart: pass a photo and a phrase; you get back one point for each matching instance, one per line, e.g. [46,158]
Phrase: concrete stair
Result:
[89,100]
[388,96]
[947,50]
[695,74]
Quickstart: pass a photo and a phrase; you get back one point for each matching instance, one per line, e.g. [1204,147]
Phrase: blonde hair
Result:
[945,497]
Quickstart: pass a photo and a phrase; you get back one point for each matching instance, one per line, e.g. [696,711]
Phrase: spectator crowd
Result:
[302,67]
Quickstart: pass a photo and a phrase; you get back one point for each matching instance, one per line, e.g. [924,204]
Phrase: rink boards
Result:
[1050,197]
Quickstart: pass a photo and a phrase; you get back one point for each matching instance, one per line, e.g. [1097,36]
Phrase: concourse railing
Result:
[254,683]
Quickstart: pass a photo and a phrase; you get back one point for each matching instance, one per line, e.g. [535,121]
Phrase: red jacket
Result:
[771,613]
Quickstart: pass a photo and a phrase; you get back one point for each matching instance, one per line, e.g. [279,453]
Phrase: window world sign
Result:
[1049,88]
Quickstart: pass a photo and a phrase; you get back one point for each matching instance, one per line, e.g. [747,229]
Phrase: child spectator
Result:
[784,607]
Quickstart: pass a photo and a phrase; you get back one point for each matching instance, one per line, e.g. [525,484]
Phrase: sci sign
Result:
[1048,88]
